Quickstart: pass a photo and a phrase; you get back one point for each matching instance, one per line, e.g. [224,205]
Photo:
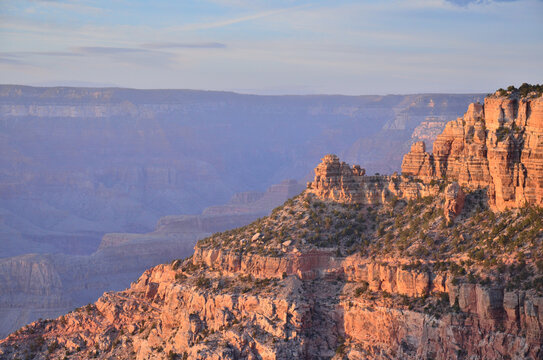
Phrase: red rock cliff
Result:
[498,145]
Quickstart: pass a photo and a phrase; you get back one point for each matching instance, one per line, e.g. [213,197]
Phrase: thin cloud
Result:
[128,55]
[476,2]
[106,50]
[178,45]
[10,61]
[52,53]
[222,23]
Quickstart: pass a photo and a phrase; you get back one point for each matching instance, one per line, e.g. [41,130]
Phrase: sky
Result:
[274,47]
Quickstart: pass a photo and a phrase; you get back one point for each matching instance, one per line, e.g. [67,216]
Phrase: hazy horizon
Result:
[286,47]
[90,85]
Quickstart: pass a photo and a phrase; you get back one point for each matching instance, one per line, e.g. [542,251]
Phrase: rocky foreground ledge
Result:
[410,266]
[320,279]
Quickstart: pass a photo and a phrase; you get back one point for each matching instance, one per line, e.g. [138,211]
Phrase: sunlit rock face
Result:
[496,145]
[418,161]
[316,279]
[42,286]
[338,181]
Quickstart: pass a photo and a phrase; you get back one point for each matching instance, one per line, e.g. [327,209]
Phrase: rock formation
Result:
[338,181]
[356,267]
[496,145]
[44,286]
[418,161]
[86,173]
[454,201]
[248,294]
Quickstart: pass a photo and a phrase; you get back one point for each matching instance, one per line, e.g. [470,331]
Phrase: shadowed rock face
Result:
[496,145]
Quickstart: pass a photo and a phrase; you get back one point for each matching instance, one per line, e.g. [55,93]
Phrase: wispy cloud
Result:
[10,61]
[73,6]
[477,2]
[180,45]
[128,55]
[50,53]
[106,50]
[237,20]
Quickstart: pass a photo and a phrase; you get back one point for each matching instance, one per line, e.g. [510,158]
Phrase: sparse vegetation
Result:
[524,90]
[479,240]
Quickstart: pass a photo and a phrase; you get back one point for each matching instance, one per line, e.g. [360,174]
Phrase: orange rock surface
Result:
[498,145]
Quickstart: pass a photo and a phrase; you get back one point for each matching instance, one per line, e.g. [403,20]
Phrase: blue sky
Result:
[274,47]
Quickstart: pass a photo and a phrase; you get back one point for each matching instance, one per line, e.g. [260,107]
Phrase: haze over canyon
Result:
[79,163]
[442,261]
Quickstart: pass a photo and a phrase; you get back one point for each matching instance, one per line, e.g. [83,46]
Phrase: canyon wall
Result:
[268,291]
[44,286]
[498,145]
[76,163]
[171,311]
[88,173]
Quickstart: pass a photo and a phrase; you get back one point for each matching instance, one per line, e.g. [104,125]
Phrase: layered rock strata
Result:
[338,181]
[236,298]
[173,311]
[321,278]
[498,145]
[42,286]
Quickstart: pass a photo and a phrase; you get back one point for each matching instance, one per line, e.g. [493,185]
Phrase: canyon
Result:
[90,177]
[48,285]
[77,163]
[433,263]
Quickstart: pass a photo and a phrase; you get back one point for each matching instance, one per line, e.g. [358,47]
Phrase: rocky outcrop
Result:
[137,156]
[43,286]
[201,314]
[418,161]
[454,201]
[322,279]
[338,181]
[319,264]
[496,145]
[276,290]
[479,333]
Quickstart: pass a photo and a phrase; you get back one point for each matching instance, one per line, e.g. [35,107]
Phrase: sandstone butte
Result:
[423,265]
[498,145]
